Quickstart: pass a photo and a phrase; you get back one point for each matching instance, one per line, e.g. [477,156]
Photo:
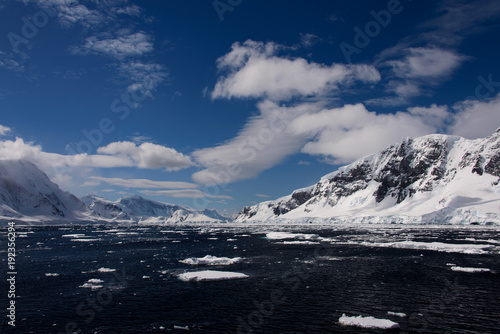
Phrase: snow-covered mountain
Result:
[430,179]
[141,210]
[26,193]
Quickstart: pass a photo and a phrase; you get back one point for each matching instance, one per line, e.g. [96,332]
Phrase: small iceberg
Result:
[288,235]
[367,322]
[211,275]
[470,270]
[211,260]
[51,274]
[93,283]
[397,314]
[106,270]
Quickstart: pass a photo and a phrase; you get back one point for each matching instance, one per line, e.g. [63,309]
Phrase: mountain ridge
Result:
[28,195]
[424,179]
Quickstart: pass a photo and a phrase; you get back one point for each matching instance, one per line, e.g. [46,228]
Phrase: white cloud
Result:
[414,72]
[71,12]
[350,132]
[143,183]
[437,117]
[262,143]
[142,75]
[426,63]
[118,47]
[308,40]
[128,10]
[78,13]
[255,70]
[183,193]
[262,195]
[460,19]
[148,155]
[7,61]
[4,130]
[476,119]
[118,154]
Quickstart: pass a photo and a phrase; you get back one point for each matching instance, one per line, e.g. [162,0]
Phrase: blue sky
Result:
[222,104]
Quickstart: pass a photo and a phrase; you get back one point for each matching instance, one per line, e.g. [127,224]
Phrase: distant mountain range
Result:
[28,195]
[430,179]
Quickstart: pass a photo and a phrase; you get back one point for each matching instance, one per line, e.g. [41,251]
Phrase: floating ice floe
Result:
[367,322]
[106,270]
[300,242]
[85,240]
[211,275]
[397,314]
[51,274]
[93,283]
[436,246]
[211,260]
[288,235]
[79,235]
[470,270]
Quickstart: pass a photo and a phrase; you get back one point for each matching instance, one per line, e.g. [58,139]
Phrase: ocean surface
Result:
[125,279]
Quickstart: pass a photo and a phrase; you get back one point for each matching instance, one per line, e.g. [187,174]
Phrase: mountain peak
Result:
[424,177]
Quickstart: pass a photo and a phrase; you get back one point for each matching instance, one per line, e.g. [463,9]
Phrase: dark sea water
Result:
[292,287]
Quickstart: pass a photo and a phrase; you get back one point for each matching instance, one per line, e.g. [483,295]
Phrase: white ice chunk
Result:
[470,270]
[397,314]
[367,322]
[95,281]
[210,275]
[51,274]
[436,246]
[300,242]
[211,260]
[91,286]
[288,235]
[105,270]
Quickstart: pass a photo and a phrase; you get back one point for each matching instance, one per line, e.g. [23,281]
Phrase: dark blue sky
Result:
[166,100]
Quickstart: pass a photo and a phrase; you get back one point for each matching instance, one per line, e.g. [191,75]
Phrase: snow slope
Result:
[430,179]
[26,193]
[137,209]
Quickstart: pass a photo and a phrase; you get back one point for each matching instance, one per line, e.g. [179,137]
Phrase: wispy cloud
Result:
[262,195]
[256,70]
[142,76]
[117,47]
[415,71]
[308,40]
[183,193]
[263,142]
[7,61]
[143,183]
[421,61]
[4,130]
[459,19]
[88,14]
